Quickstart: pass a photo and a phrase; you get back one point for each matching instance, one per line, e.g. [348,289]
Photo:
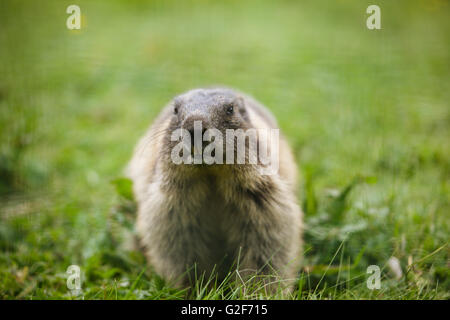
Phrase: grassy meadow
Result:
[366,112]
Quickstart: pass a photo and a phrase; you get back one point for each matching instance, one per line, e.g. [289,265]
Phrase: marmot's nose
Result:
[196,126]
[196,134]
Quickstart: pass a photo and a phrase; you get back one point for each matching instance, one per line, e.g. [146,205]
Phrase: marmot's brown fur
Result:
[220,217]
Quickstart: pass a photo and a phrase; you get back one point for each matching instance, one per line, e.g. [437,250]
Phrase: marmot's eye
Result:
[175,110]
[230,109]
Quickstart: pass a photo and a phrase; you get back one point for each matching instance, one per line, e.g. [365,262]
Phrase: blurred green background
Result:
[366,112]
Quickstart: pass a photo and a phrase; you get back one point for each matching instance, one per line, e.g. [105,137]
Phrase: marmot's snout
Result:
[203,124]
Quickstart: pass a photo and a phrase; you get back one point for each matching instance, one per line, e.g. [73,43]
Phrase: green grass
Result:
[366,112]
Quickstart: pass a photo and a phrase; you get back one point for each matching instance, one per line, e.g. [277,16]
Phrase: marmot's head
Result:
[214,127]
[201,119]
[219,109]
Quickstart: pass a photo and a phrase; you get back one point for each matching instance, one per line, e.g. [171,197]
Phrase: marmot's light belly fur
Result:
[217,217]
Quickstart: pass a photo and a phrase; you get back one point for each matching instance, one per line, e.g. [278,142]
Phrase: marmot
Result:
[213,219]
